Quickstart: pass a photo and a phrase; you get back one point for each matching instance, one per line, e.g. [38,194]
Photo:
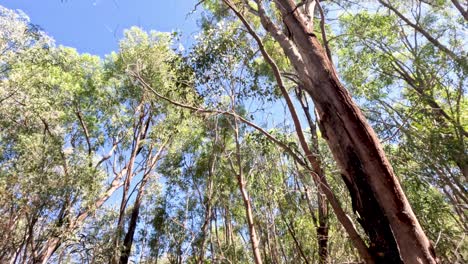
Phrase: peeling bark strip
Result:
[384,212]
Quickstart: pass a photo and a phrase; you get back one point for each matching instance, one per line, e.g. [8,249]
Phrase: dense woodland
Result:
[288,132]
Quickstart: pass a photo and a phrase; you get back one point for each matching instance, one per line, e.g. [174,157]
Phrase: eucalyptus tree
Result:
[219,84]
[74,130]
[48,140]
[384,212]
[200,181]
[147,145]
[255,81]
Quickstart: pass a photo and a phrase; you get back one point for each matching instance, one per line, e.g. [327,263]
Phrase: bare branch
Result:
[324,33]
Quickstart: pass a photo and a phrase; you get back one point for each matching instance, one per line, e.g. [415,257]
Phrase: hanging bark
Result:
[316,166]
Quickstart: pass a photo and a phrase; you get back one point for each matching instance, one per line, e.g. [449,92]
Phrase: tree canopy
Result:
[288,132]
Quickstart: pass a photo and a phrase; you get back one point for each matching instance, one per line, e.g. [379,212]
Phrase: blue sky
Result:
[95,26]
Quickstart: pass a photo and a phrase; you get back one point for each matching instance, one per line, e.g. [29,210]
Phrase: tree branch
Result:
[426,34]
[85,130]
[460,8]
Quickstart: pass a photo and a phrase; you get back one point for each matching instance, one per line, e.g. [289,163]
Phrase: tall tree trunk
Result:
[208,214]
[245,197]
[128,239]
[378,200]
[141,128]
[316,166]
[377,197]
[207,200]
[250,221]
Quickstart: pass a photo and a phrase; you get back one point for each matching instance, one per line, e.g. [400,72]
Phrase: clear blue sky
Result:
[95,26]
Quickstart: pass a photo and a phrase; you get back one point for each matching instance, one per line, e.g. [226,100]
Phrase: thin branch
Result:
[200,110]
[324,33]
[426,34]
[85,130]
